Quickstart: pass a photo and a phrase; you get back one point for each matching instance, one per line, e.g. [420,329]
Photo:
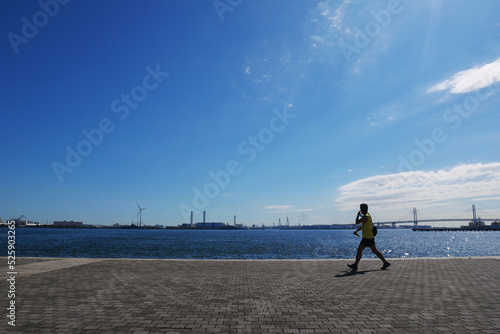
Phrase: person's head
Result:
[364,208]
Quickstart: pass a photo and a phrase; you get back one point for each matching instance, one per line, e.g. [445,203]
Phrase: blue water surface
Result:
[245,244]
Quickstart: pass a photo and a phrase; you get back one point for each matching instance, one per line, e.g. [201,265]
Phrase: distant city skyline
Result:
[259,109]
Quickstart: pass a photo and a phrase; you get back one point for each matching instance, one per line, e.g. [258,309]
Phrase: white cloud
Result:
[279,207]
[329,20]
[402,191]
[335,17]
[338,32]
[488,198]
[286,208]
[470,80]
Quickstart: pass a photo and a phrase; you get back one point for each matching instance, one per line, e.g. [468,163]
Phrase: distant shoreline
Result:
[225,228]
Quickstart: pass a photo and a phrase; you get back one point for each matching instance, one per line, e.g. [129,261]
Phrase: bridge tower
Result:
[415,221]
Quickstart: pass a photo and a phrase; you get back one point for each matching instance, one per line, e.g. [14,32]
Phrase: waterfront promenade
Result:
[64,295]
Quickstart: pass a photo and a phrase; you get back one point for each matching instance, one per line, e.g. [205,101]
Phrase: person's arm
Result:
[360,218]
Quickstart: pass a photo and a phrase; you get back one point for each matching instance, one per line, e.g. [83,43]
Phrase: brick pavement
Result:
[459,295]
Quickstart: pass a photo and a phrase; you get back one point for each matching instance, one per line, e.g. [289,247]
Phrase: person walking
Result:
[368,239]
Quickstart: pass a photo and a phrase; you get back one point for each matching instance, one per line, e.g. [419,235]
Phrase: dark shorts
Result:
[367,242]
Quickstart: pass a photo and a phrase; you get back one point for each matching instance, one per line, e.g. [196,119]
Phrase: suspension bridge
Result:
[474,219]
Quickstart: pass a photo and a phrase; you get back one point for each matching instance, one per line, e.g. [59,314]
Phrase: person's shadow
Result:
[353,273]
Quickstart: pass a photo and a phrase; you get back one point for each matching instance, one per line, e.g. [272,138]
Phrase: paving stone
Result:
[119,296]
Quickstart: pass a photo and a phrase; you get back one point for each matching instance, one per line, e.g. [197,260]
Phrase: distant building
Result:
[20,223]
[23,223]
[65,223]
[210,225]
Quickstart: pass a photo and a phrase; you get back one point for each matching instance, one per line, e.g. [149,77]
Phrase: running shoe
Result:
[385,266]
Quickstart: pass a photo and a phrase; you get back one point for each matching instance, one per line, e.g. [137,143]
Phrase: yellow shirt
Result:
[367,227]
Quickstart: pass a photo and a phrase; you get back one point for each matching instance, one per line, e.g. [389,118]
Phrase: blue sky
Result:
[260,109]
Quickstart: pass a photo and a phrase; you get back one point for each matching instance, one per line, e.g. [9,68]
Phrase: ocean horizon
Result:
[247,244]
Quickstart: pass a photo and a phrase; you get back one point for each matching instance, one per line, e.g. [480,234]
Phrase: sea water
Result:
[245,244]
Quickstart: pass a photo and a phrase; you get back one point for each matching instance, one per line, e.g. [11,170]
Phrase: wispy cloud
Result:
[341,30]
[334,16]
[329,20]
[423,189]
[285,208]
[470,80]
[385,115]
[278,207]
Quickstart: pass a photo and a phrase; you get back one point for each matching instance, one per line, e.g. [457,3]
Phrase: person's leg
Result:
[380,256]
[377,252]
[361,248]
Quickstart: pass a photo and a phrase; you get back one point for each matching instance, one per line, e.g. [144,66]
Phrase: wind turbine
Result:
[140,213]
